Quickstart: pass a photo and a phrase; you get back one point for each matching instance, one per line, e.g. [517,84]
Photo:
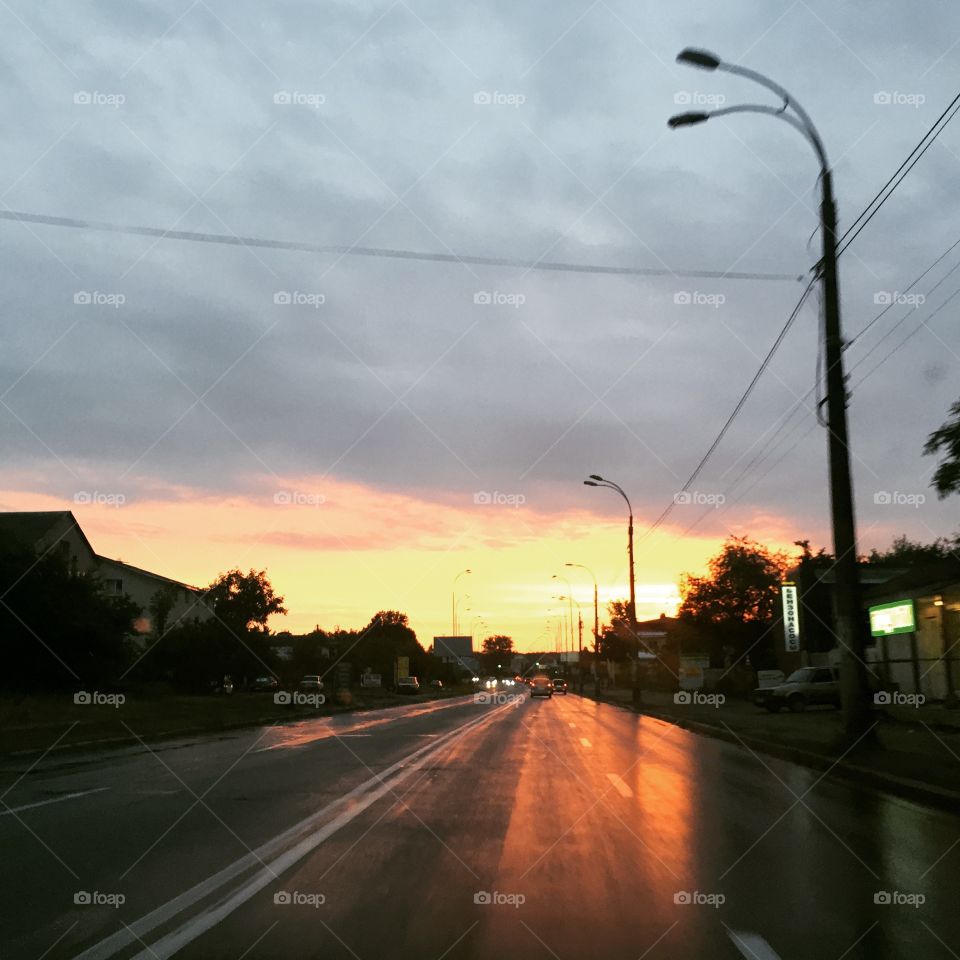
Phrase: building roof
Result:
[920,579]
[28,528]
[151,574]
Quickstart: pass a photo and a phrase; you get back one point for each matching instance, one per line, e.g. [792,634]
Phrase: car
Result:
[436,684]
[808,686]
[560,685]
[408,685]
[312,682]
[541,687]
[264,684]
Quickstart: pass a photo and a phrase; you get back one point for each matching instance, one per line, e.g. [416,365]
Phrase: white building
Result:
[57,531]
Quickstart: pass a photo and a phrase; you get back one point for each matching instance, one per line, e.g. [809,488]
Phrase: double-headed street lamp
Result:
[598,481]
[846,587]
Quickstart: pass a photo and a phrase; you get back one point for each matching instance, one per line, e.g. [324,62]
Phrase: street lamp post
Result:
[856,711]
[596,622]
[570,602]
[453,602]
[597,481]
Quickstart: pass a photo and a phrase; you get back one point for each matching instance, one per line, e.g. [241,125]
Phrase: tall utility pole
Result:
[453,603]
[596,623]
[598,481]
[846,594]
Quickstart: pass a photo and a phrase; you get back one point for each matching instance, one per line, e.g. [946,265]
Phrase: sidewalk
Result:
[910,752]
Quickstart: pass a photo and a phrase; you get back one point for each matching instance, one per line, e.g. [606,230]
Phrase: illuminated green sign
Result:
[896,617]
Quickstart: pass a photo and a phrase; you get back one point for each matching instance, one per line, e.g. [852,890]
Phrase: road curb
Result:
[905,787]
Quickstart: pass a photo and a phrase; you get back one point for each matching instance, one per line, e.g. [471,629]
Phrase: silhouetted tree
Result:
[496,654]
[244,601]
[946,439]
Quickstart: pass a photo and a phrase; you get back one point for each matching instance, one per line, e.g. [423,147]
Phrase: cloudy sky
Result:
[365,428]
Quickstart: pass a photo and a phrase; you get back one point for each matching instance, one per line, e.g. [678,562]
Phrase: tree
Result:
[161,605]
[497,652]
[58,630]
[904,552]
[946,478]
[735,603]
[244,601]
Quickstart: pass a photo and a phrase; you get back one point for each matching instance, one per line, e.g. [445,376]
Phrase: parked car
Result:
[560,685]
[311,683]
[265,684]
[408,685]
[808,686]
[541,687]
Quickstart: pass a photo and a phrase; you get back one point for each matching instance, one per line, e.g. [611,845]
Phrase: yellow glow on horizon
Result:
[341,553]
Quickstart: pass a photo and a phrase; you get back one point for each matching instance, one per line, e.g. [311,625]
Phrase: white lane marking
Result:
[586,742]
[572,724]
[752,945]
[353,801]
[43,803]
[618,782]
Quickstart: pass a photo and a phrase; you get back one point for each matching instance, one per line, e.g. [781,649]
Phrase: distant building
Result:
[57,532]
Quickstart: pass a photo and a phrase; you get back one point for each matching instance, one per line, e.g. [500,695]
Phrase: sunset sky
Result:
[338,420]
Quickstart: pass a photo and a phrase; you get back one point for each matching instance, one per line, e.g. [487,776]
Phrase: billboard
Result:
[791,617]
[453,648]
[896,617]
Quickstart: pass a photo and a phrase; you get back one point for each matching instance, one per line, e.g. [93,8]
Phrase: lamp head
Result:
[703,59]
[687,119]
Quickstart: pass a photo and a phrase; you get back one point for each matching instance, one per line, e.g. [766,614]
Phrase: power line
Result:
[340,250]
[922,147]
[736,410]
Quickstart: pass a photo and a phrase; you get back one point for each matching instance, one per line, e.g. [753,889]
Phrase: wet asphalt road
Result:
[552,828]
